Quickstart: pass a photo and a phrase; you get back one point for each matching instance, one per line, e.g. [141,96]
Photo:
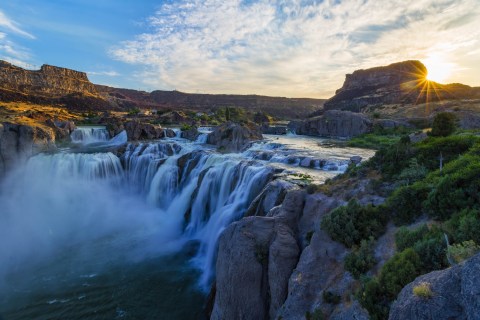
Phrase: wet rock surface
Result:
[333,123]
[234,137]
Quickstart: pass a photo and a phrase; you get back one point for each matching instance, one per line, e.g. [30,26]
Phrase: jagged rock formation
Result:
[255,259]
[333,123]
[49,80]
[398,83]
[19,142]
[278,262]
[455,295]
[190,134]
[137,130]
[50,85]
[234,137]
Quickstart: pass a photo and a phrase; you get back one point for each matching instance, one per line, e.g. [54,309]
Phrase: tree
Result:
[444,124]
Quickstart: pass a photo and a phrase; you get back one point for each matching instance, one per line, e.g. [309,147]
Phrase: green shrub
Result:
[465,225]
[405,203]
[405,238]
[330,297]
[399,271]
[444,124]
[423,290]
[317,314]
[352,223]
[413,172]
[462,251]
[458,189]
[372,297]
[432,252]
[361,260]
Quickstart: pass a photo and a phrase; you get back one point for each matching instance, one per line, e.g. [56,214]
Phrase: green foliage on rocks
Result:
[361,259]
[352,223]
[444,124]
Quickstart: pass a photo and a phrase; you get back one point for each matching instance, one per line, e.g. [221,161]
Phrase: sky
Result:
[291,48]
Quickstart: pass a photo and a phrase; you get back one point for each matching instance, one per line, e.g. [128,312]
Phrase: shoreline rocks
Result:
[234,137]
[19,142]
[333,123]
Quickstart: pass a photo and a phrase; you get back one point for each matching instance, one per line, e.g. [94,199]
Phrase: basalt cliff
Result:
[399,83]
[73,89]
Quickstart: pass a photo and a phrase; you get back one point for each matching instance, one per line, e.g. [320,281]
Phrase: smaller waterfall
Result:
[90,134]
[202,138]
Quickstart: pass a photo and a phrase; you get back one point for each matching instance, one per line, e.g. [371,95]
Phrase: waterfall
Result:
[150,200]
[202,138]
[90,134]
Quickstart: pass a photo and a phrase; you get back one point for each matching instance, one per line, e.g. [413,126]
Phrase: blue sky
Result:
[295,48]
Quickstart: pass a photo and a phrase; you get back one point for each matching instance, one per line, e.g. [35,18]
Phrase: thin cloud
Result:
[103,73]
[292,47]
[9,25]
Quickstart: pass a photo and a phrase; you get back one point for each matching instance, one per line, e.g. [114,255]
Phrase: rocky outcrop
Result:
[455,294]
[48,80]
[49,85]
[190,134]
[137,130]
[256,256]
[333,123]
[234,137]
[277,130]
[19,142]
[395,83]
[398,83]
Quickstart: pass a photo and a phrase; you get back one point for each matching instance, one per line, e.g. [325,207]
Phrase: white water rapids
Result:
[151,200]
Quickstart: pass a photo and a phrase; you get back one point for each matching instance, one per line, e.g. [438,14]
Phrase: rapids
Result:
[113,227]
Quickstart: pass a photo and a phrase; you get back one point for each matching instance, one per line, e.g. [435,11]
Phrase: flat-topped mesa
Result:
[49,80]
[396,83]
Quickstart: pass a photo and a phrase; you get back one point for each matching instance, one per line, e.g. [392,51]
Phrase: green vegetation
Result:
[379,138]
[437,179]
[330,297]
[133,112]
[317,314]
[361,259]
[352,223]
[462,251]
[423,290]
[444,124]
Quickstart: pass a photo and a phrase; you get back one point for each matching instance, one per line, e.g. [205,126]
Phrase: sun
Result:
[439,70]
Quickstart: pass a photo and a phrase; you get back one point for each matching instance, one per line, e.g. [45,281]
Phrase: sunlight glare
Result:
[438,69]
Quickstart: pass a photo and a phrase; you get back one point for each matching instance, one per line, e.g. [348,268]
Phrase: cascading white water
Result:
[90,134]
[96,211]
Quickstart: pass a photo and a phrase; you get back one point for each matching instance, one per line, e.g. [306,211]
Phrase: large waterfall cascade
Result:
[82,214]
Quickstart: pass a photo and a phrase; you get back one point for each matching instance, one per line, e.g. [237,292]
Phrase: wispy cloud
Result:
[9,25]
[103,73]
[293,47]
[9,50]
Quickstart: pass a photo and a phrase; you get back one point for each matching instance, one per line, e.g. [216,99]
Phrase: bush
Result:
[465,225]
[399,271]
[444,124]
[423,290]
[405,238]
[330,297]
[413,172]
[372,297]
[361,260]
[455,191]
[352,223]
[405,203]
[462,251]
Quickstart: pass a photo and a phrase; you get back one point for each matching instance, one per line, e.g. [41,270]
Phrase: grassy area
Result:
[373,141]
[32,114]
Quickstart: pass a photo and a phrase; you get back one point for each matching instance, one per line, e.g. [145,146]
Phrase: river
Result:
[105,229]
